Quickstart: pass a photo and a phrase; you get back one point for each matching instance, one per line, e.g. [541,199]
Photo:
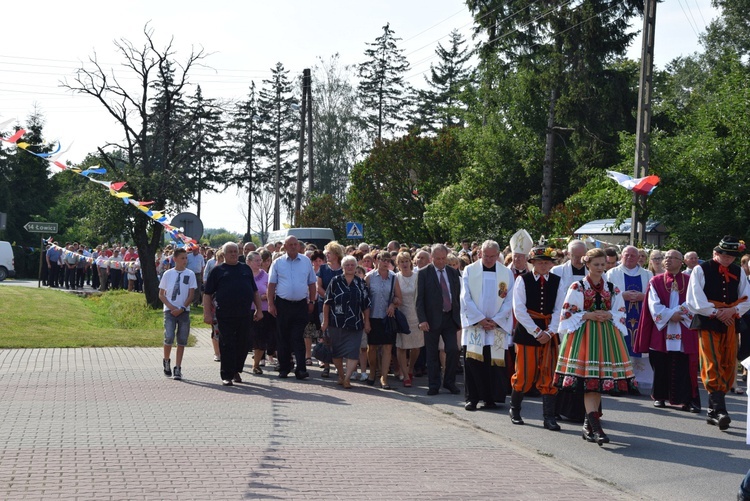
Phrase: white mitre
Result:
[521,242]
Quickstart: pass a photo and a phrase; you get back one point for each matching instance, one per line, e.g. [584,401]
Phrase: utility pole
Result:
[643,122]
[301,157]
[310,182]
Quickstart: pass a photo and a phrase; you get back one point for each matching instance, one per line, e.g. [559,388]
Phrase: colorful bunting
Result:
[113,187]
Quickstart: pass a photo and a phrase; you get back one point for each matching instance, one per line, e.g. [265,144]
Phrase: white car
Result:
[7,268]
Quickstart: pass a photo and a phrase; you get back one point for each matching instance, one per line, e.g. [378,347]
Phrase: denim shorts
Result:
[181,324]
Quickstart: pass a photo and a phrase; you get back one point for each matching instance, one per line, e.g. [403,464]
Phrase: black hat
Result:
[542,253]
[730,246]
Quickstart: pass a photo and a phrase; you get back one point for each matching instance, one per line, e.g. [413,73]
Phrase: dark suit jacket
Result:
[430,296]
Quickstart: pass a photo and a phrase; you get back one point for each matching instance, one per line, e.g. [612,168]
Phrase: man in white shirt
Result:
[574,269]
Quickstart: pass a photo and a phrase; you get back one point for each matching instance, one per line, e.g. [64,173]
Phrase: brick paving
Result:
[104,423]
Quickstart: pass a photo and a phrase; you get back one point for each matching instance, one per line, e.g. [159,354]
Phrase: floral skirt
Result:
[594,358]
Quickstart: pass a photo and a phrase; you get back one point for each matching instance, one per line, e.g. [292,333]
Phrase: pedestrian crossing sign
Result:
[354,230]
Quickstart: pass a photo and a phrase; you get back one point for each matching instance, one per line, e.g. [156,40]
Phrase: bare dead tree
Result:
[153,151]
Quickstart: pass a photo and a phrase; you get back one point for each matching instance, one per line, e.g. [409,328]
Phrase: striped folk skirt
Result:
[594,358]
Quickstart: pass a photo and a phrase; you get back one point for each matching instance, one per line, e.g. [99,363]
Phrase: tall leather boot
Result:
[587,433]
[596,427]
[717,412]
[548,411]
[516,397]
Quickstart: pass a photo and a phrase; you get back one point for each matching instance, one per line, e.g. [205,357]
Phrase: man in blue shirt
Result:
[291,299]
[195,263]
[53,255]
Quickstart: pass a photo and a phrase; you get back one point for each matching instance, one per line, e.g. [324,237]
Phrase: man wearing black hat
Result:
[717,295]
[537,302]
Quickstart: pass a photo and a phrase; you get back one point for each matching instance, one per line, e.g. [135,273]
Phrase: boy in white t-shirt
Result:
[176,291]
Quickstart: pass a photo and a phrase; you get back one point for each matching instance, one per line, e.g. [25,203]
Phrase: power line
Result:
[694,28]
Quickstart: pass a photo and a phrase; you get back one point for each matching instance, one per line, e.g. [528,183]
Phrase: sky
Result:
[244,39]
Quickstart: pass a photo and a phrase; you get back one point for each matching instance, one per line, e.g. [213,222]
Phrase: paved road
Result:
[105,424]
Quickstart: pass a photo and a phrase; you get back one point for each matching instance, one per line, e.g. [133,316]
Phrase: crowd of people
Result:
[567,325]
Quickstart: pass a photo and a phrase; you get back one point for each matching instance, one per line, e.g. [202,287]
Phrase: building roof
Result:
[607,226]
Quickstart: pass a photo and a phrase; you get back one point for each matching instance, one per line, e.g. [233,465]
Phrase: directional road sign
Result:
[354,230]
[33,227]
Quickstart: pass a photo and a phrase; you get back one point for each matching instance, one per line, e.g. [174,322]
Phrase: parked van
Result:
[7,263]
[318,236]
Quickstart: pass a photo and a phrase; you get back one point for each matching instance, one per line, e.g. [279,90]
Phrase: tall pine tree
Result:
[439,105]
[382,90]
[280,129]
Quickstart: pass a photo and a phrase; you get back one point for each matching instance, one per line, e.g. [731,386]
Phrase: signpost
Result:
[33,227]
[39,227]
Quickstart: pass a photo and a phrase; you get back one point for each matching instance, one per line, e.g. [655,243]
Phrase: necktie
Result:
[541,280]
[446,294]
[176,288]
[724,270]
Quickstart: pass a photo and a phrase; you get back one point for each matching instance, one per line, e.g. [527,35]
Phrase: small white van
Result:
[7,263]
[318,236]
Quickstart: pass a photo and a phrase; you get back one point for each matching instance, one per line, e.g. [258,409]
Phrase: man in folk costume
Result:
[537,302]
[717,296]
[486,321]
[633,280]
[520,246]
[664,333]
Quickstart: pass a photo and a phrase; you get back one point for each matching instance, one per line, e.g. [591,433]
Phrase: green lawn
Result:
[43,318]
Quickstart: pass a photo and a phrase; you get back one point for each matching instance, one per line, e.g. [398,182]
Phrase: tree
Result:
[392,187]
[439,105]
[568,52]
[245,153]
[382,89]
[279,132]
[155,149]
[336,133]
[323,211]
[27,192]
[207,137]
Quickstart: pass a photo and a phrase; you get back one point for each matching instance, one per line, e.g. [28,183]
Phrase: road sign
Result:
[354,230]
[33,227]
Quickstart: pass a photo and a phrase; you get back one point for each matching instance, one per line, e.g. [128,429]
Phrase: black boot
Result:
[586,432]
[596,427]
[516,397]
[548,411]
[717,412]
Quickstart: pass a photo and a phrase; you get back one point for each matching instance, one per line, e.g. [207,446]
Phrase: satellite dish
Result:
[191,224]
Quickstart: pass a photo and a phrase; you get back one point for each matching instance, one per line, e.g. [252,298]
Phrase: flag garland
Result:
[114,188]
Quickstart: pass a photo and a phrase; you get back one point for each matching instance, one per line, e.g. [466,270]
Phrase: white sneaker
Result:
[217,358]
[363,376]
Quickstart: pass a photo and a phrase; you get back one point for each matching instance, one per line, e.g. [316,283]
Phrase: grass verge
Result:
[43,318]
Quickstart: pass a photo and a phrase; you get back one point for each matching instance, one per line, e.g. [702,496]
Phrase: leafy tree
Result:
[323,211]
[439,105]
[382,89]
[245,153]
[279,132]
[155,148]
[392,187]
[336,133]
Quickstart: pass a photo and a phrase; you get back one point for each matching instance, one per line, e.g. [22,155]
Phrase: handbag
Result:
[397,323]
[322,352]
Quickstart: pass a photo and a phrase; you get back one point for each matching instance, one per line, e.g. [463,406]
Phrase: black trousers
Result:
[234,341]
[70,277]
[95,276]
[432,337]
[671,377]
[291,319]
[483,381]
[54,273]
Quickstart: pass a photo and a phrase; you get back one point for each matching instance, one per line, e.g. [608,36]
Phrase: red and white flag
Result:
[640,186]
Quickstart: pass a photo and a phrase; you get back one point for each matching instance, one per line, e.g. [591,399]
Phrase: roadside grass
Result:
[43,318]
